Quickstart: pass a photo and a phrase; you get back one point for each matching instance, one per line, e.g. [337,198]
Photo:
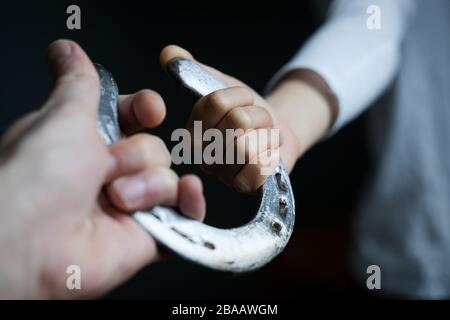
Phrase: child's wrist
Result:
[308,109]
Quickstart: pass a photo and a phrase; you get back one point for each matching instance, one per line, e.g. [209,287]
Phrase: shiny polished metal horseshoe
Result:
[241,249]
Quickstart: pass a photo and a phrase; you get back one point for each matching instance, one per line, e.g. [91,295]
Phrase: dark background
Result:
[242,40]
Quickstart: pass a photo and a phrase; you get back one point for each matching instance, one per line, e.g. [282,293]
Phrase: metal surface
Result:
[238,249]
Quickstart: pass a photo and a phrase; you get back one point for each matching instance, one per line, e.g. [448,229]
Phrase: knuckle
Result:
[140,141]
[247,145]
[238,118]
[163,152]
[144,147]
[218,101]
[245,93]
[172,175]
[88,78]
[267,116]
[167,176]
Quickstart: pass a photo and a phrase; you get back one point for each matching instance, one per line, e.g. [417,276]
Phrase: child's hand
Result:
[237,107]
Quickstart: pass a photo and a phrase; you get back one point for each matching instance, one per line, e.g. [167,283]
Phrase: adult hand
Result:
[53,169]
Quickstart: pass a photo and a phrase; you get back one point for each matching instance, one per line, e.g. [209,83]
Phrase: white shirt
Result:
[404,220]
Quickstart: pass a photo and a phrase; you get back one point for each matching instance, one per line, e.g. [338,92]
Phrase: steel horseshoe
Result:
[240,249]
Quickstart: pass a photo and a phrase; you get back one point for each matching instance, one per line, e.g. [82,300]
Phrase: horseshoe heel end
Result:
[241,249]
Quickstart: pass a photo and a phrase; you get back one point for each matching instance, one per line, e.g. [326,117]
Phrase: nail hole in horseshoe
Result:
[206,244]
[156,216]
[182,234]
[280,182]
[276,227]
[283,207]
[209,245]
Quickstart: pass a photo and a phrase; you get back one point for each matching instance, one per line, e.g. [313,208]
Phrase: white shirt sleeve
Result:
[357,62]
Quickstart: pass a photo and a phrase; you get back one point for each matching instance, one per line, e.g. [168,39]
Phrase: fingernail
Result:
[131,191]
[59,50]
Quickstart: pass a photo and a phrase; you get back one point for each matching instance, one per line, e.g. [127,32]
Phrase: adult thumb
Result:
[76,87]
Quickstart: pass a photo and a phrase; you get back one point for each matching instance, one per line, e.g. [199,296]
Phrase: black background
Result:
[250,42]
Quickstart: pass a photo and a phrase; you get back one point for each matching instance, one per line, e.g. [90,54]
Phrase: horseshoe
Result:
[240,249]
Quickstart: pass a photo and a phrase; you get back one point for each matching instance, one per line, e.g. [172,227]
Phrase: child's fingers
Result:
[253,175]
[234,108]
[246,118]
[213,107]
[245,149]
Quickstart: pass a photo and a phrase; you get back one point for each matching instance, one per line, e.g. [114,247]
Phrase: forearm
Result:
[306,109]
